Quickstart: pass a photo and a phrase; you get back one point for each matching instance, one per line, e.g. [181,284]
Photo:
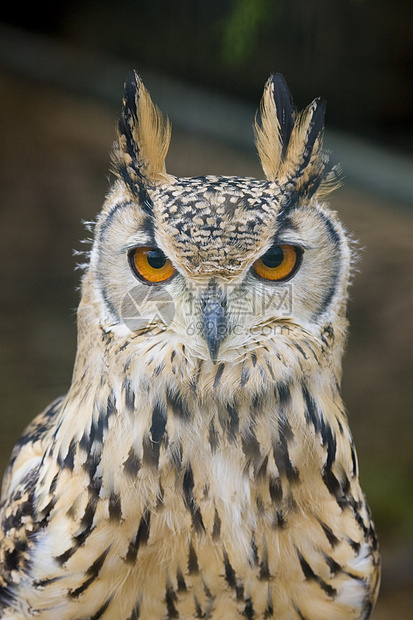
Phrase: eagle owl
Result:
[201,464]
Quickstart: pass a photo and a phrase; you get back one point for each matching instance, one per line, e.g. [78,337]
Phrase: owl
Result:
[201,464]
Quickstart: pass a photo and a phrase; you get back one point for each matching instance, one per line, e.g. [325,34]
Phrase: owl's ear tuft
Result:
[143,138]
[290,144]
[284,106]
[268,130]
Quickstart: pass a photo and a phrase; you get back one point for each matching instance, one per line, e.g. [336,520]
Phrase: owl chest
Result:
[189,515]
[216,480]
[219,531]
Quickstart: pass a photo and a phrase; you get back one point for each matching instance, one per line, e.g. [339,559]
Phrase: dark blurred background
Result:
[357,53]
[61,78]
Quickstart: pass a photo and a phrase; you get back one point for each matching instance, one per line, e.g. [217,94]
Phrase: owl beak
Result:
[214,322]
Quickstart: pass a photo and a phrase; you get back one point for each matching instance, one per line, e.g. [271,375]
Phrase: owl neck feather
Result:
[171,409]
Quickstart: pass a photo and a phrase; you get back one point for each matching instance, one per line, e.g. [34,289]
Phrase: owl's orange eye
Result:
[279,263]
[151,265]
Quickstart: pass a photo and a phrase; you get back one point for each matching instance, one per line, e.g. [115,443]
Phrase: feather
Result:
[143,137]
[267,133]
[285,109]
[290,145]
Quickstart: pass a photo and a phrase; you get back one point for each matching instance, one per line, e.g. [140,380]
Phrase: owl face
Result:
[220,263]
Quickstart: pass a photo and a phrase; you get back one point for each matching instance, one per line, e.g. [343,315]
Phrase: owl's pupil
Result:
[156,259]
[273,258]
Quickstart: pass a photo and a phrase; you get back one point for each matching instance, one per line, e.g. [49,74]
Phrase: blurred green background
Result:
[61,79]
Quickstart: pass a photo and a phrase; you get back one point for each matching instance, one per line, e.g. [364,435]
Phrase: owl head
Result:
[221,267]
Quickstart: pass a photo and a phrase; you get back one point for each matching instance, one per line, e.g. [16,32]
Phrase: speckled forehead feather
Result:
[215,222]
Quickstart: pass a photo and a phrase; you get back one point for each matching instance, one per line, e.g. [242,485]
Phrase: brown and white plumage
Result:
[201,464]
